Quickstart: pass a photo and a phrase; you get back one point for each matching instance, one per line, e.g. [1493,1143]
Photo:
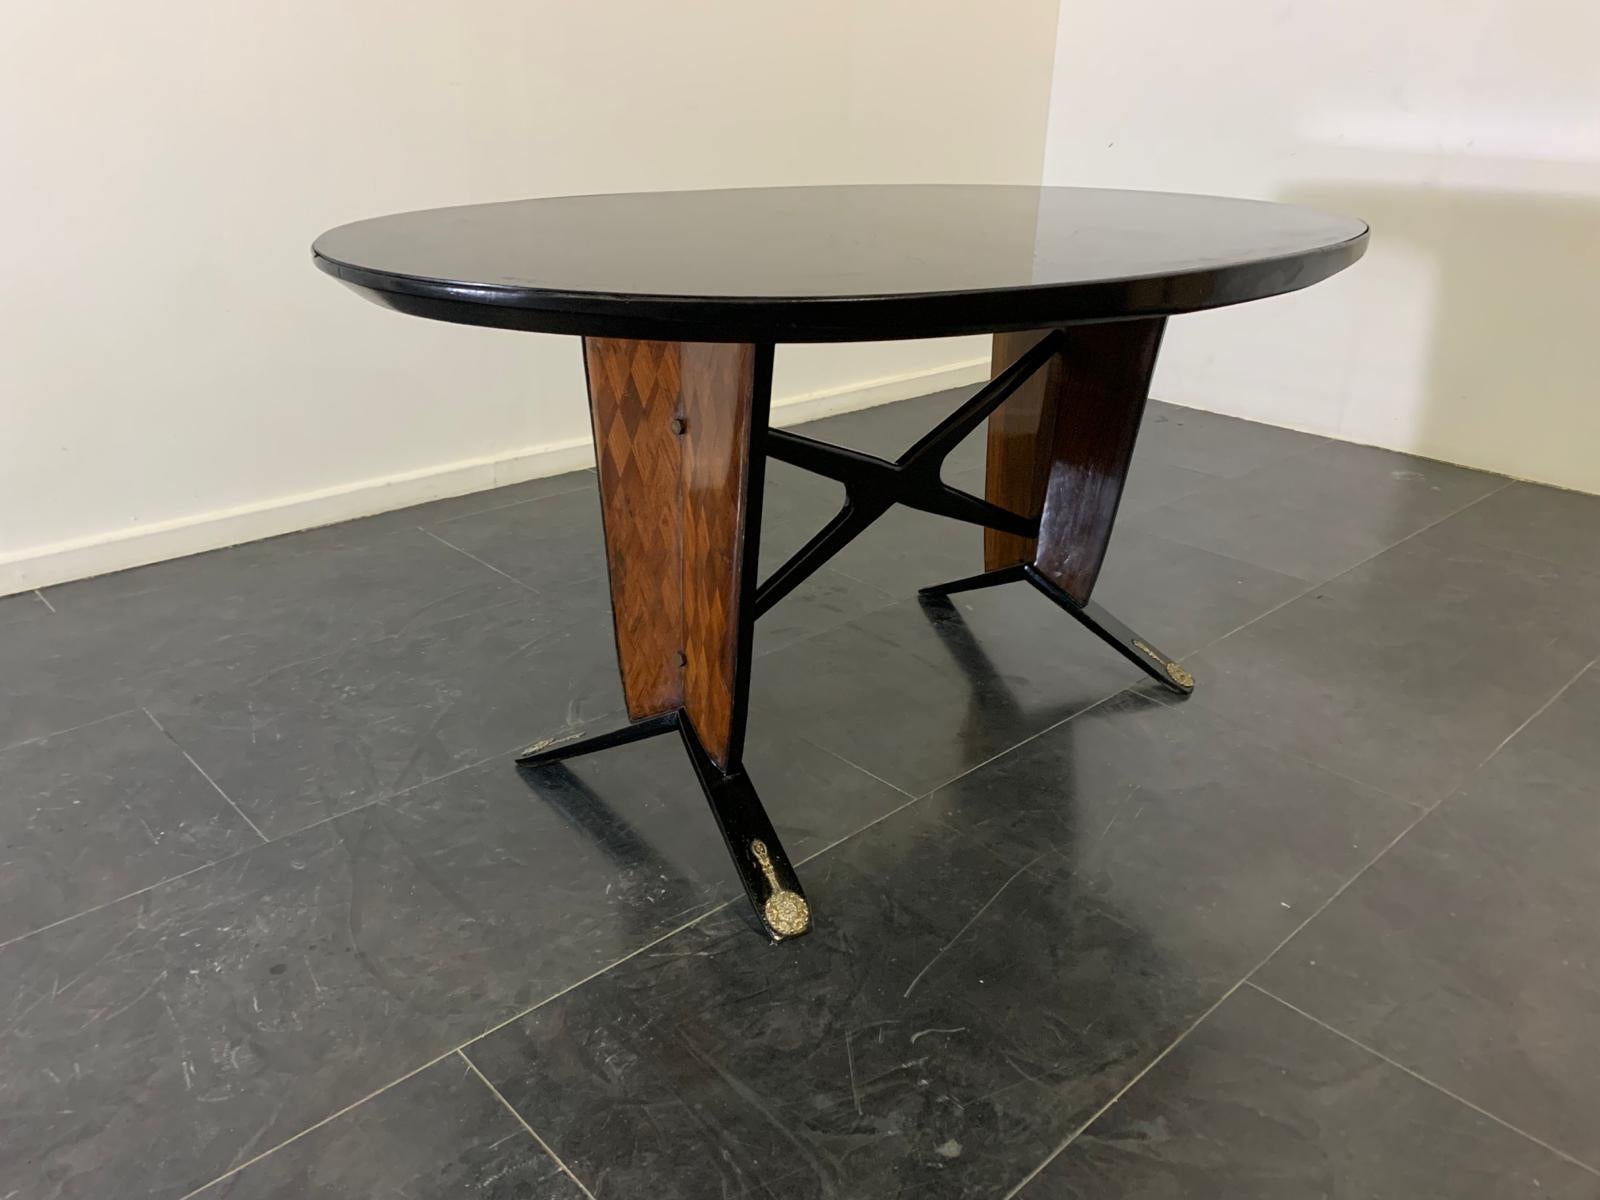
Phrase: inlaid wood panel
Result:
[721,501]
[633,399]
[1091,400]
[678,488]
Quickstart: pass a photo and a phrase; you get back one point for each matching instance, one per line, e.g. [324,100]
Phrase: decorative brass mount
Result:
[786,912]
[1175,671]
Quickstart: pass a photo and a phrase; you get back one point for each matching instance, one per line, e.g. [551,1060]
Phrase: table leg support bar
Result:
[848,524]
[873,485]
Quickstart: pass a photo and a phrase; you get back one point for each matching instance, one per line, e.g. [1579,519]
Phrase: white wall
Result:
[1467,132]
[175,373]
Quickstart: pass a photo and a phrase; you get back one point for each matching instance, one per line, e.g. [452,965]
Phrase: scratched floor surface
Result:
[278,918]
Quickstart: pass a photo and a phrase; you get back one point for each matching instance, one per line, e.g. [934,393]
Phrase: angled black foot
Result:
[1165,671]
[553,750]
[973,582]
[758,856]
[769,880]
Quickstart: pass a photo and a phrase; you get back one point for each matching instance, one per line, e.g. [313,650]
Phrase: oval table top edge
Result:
[864,316]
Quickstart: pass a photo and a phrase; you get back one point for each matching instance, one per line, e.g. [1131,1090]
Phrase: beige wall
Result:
[1466,131]
[177,375]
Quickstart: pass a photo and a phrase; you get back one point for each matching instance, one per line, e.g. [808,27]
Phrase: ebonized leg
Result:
[1118,636]
[757,855]
[679,429]
[553,750]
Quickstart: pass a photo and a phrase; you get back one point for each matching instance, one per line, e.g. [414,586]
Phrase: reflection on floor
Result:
[278,917]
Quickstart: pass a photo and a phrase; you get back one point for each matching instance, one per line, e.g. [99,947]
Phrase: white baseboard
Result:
[828,402]
[117,550]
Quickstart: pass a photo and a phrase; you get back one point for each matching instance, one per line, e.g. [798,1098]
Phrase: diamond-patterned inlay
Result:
[674,508]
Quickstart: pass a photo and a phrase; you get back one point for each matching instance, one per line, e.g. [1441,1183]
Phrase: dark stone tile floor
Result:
[279,918]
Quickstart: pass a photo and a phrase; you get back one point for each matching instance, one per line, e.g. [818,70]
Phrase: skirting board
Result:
[99,554]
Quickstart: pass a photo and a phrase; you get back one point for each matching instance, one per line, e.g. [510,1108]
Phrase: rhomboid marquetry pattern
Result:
[633,399]
[672,426]
[718,387]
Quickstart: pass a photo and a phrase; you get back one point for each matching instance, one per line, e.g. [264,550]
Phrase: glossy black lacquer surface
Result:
[818,264]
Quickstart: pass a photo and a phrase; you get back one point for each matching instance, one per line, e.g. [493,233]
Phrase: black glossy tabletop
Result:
[835,263]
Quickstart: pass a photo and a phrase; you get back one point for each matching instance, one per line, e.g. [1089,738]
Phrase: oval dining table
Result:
[680,297]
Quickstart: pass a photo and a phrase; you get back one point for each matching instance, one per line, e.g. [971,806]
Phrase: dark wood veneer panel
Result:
[1063,451]
[1020,432]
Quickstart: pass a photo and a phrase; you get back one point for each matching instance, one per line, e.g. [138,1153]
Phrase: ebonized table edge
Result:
[844,319]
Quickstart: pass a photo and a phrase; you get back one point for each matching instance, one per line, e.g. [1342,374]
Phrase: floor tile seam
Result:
[152,698]
[576,487]
[459,1049]
[55,733]
[1086,1125]
[523,1121]
[309,1129]
[855,766]
[1130,689]
[1415,821]
[481,562]
[1243,729]
[206,775]
[716,908]
[1539,712]
[804,638]
[1589,574]
[1245,978]
[1442,800]
[1194,487]
[1342,573]
[149,697]
[289,540]
[893,599]
[509,504]
[1417,806]
[1246,564]
[1423,1079]
[181,875]
[384,801]
[1323,442]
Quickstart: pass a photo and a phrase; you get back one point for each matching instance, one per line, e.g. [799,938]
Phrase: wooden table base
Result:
[1060,453]
[681,440]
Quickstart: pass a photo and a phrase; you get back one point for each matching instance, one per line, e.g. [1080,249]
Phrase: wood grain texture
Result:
[718,390]
[633,398]
[676,506]
[1020,432]
[1090,400]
